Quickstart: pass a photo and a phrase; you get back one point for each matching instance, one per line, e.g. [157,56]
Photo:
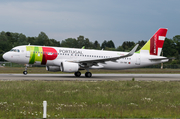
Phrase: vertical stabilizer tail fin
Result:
[155,44]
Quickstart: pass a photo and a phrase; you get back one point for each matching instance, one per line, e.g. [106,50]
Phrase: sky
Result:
[116,20]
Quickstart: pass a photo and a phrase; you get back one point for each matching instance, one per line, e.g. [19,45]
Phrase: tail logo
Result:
[157,41]
[155,44]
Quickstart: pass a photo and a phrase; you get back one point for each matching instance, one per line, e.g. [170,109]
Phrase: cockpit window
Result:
[15,50]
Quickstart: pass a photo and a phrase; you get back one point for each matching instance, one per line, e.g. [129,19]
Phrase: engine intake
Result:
[69,67]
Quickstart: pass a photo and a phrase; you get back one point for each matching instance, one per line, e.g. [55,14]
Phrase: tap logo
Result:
[48,54]
[41,54]
[157,41]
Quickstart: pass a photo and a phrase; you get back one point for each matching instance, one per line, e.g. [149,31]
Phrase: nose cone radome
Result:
[5,56]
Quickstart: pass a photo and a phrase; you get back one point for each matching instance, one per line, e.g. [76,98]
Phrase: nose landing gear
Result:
[25,72]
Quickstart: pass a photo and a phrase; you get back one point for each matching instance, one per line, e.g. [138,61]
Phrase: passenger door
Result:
[28,54]
[138,59]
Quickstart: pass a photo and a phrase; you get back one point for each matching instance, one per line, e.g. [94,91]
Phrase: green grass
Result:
[101,99]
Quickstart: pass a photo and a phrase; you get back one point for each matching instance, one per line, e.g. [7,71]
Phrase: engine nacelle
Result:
[69,67]
[53,68]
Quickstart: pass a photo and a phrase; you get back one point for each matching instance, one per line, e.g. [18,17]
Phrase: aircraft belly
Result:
[118,65]
[37,63]
[50,62]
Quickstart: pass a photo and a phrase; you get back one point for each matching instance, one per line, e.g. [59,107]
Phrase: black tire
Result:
[77,74]
[25,72]
[88,74]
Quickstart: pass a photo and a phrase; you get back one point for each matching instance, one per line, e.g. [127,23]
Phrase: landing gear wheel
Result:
[25,72]
[77,74]
[88,74]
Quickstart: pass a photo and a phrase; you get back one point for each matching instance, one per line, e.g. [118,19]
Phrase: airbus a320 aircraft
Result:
[74,60]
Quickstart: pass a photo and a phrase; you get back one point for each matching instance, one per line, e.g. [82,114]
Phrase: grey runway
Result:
[95,77]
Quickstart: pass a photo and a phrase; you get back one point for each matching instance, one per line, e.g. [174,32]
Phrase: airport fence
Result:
[10,64]
[165,66]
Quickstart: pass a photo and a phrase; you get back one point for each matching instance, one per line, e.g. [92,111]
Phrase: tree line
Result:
[8,40]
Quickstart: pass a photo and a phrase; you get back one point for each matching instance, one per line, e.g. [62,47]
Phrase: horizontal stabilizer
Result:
[158,58]
[161,58]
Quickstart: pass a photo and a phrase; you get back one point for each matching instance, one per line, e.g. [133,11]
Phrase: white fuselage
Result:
[72,54]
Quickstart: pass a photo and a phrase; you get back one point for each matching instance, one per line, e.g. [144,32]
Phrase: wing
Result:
[103,60]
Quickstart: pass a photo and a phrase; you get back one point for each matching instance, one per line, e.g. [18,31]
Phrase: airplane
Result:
[74,59]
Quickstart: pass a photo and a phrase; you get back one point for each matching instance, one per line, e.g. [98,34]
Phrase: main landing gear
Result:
[87,74]
[77,74]
[25,72]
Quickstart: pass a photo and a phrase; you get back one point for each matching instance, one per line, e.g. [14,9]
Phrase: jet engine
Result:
[69,67]
[53,68]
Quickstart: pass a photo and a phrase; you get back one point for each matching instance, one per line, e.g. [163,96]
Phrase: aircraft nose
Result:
[5,56]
